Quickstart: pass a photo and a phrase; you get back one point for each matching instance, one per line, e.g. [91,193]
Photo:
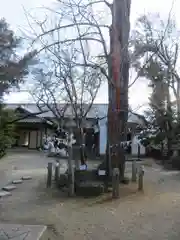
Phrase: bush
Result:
[7,133]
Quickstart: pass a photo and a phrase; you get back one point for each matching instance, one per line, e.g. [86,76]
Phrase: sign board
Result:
[83,167]
[101,172]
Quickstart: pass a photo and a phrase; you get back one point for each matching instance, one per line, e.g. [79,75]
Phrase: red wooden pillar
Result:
[118,87]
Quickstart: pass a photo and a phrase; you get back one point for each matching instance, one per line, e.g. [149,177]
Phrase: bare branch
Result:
[66,27]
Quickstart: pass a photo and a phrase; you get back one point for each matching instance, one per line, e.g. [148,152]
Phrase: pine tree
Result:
[13,69]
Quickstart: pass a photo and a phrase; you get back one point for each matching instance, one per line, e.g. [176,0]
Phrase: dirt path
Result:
[154,214]
[15,165]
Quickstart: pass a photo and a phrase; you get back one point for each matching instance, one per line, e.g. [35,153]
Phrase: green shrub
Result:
[7,133]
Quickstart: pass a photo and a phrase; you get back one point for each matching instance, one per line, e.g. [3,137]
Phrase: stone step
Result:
[28,232]
[9,187]
[26,178]
[4,194]
[17,181]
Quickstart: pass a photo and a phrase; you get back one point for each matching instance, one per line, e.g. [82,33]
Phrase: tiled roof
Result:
[31,120]
[97,110]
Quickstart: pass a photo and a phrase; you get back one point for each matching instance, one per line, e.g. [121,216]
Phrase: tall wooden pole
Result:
[118,87]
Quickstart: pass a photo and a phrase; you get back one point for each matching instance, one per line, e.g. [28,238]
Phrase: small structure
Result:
[132,136]
[34,125]
[31,127]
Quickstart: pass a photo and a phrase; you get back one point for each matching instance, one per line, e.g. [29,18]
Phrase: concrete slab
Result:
[9,187]
[20,232]
[26,177]
[17,181]
[4,194]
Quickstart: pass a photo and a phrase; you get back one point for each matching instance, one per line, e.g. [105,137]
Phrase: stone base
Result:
[17,181]
[26,178]
[26,232]
[89,189]
[4,194]
[9,188]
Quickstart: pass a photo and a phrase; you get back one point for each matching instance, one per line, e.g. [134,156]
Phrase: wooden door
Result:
[33,139]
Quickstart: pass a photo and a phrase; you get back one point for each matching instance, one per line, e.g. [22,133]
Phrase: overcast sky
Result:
[12,11]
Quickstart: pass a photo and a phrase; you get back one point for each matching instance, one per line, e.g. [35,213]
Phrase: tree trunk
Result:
[70,167]
[169,123]
[82,146]
[118,87]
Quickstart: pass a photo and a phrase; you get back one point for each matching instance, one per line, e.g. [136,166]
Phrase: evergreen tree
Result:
[13,69]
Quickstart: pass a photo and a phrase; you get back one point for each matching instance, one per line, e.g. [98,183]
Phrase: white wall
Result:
[103,140]
[103,135]
[134,147]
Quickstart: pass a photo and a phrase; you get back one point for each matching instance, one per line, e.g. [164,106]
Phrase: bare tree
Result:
[46,96]
[74,86]
[83,22]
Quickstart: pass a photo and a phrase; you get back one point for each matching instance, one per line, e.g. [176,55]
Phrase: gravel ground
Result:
[154,214]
